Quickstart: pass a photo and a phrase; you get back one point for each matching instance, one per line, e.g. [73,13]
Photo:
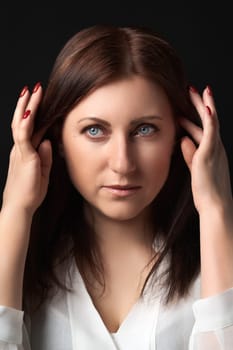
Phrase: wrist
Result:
[217,209]
[15,210]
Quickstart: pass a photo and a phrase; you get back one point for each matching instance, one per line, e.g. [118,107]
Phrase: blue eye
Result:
[94,131]
[145,130]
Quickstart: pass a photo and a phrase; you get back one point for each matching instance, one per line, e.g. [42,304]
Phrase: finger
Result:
[208,100]
[35,97]
[22,126]
[21,136]
[26,101]
[208,117]
[33,104]
[197,102]
[23,129]
[20,107]
[188,149]
[195,131]
[210,132]
[45,153]
[36,138]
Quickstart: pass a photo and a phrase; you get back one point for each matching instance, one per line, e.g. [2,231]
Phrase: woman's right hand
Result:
[30,159]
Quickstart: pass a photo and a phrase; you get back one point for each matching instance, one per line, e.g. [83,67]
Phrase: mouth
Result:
[122,191]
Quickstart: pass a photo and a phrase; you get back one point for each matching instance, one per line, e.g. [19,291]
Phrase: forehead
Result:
[133,96]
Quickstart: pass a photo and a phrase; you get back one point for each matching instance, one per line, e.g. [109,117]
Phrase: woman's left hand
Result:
[205,156]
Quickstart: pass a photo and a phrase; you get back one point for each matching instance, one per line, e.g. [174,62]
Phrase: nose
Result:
[121,156]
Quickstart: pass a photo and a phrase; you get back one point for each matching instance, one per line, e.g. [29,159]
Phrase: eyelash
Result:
[96,126]
[152,126]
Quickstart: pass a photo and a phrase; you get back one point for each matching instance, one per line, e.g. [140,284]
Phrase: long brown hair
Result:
[91,58]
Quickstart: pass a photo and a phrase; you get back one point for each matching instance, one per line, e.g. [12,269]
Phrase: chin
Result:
[121,214]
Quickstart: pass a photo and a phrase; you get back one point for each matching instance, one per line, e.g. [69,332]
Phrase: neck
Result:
[120,235]
[126,248]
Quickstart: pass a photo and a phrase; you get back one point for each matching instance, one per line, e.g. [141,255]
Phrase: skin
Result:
[134,148]
[28,176]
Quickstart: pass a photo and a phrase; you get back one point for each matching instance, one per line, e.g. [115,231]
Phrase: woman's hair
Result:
[93,57]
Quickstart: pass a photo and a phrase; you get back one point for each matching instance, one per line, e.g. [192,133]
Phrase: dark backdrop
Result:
[32,35]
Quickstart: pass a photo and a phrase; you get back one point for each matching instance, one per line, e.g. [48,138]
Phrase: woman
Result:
[116,228]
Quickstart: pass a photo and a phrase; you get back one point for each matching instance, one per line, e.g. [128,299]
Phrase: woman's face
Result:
[117,143]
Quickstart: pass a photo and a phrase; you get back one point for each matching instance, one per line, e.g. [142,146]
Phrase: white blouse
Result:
[70,321]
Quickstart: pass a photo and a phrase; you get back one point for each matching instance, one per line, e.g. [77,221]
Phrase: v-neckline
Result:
[126,319]
[89,330]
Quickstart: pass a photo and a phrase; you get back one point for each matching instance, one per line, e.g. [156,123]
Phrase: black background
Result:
[33,34]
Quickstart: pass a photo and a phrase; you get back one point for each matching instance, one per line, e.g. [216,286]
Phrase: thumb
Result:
[45,153]
[188,149]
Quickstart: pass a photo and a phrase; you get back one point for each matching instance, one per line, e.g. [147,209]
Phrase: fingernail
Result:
[209,90]
[193,89]
[23,91]
[208,110]
[36,87]
[26,114]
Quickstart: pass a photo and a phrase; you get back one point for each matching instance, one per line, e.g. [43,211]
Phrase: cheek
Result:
[81,164]
[156,163]
[73,158]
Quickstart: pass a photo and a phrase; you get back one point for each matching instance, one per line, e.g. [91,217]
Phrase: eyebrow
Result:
[133,122]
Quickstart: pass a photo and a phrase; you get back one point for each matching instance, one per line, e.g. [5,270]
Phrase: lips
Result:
[126,187]
[118,191]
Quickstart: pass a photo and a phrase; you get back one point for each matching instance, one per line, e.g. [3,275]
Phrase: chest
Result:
[119,298]
[74,322]
[124,279]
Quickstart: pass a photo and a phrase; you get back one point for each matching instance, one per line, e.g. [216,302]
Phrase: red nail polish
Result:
[36,87]
[193,89]
[23,91]
[208,110]
[209,90]
[26,114]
